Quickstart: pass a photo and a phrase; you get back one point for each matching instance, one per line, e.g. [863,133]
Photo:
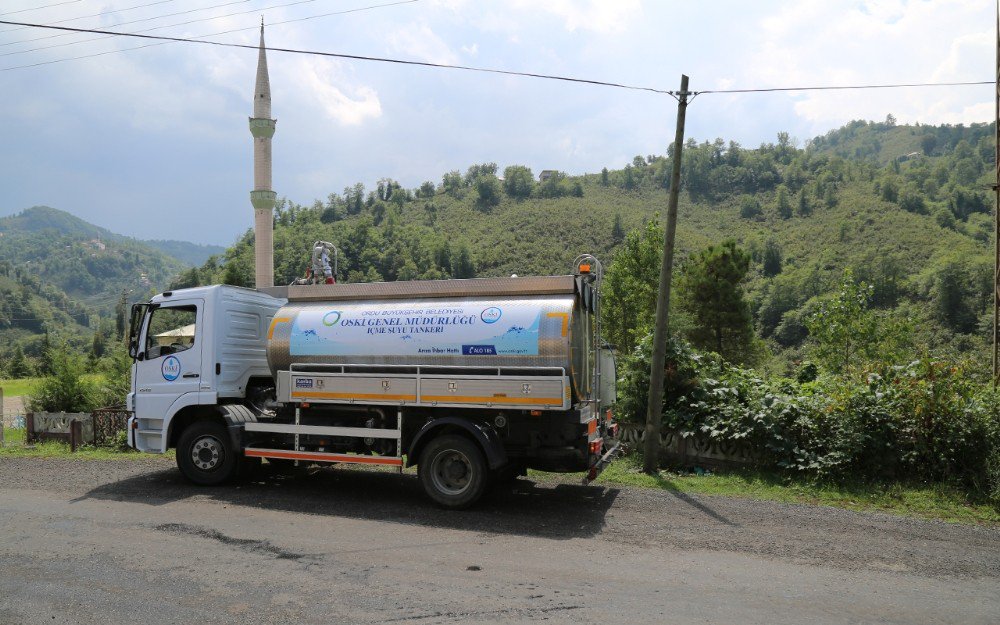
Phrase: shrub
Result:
[66,389]
[924,421]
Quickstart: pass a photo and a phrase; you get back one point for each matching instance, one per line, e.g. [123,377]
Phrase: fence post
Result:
[29,423]
[75,434]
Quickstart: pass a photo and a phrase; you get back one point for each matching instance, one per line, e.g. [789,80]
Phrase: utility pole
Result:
[654,413]
[996,214]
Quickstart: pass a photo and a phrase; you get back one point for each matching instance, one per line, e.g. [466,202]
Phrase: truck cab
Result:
[194,349]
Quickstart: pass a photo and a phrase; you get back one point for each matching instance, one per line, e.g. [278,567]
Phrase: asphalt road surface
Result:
[131,542]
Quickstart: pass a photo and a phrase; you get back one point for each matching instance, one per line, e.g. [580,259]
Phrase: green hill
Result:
[908,208]
[63,276]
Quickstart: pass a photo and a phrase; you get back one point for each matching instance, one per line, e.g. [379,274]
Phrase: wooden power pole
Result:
[654,413]
[996,214]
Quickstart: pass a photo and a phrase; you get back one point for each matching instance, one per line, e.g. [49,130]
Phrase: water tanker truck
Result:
[473,381]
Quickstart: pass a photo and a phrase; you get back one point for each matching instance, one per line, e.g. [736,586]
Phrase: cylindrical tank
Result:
[511,332]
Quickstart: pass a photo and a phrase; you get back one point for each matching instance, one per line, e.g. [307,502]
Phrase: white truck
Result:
[473,381]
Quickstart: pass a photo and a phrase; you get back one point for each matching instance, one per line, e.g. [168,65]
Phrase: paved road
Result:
[130,542]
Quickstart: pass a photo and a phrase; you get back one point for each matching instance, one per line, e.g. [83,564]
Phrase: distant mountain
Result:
[38,219]
[191,254]
[88,264]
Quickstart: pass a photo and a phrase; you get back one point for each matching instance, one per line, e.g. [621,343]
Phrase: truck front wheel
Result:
[205,454]
[453,471]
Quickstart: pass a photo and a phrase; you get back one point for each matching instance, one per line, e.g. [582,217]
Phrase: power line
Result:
[57,4]
[83,17]
[844,87]
[145,19]
[354,57]
[204,19]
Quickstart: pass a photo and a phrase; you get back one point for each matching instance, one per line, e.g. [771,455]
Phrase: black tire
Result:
[205,454]
[453,471]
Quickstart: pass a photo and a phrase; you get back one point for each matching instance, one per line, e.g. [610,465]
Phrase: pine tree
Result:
[772,259]
[617,230]
[710,289]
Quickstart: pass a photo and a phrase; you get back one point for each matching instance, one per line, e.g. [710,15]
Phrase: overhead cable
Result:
[57,4]
[83,17]
[357,57]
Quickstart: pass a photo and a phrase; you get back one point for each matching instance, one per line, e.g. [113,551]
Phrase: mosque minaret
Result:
[262,197]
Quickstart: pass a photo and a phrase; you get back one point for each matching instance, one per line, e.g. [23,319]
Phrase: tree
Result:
[710,289]
[463,266]
[18,366]
[772,259]
[604,177]
[120,309]
[451,182]
[426,190]
[805,206]
[488,191]
[784,206]
[950,303]
[749,207]
[927,143]
[629,291]
[477,171]
[847,332]
[518,181]
[617,230]
[65,389]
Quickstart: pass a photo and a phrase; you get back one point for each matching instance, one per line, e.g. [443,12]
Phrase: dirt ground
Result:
[131,541]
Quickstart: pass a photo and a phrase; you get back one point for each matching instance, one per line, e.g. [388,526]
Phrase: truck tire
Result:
[205,454]
[453,471]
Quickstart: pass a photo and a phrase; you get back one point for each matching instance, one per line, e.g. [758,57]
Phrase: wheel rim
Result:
[451,472]
[207,453]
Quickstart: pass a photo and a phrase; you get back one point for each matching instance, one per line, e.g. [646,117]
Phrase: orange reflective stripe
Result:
[565,320]
[321,457]
[274,322]
[328,395]
[451,399]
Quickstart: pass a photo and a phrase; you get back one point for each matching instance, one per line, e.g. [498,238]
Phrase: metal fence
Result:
[100,427]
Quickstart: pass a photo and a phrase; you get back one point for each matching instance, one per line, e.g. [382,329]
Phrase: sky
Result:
[154,143]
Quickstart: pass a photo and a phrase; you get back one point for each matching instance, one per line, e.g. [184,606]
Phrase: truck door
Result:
[168,363]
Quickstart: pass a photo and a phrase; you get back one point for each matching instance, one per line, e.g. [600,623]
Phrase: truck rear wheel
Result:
[205,454]
[453,471]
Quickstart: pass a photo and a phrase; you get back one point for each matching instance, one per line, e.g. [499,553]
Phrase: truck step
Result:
[317,430]
[318,456]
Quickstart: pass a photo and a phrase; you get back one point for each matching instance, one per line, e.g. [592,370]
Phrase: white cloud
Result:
[602,16]
[889,41]
[472,50]
[317,80]
[421,43]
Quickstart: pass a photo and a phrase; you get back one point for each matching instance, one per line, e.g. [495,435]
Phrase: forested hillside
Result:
[62,278]
[908,208]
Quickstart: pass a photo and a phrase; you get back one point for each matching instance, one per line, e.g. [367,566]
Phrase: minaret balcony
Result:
[262,127]
[263,199]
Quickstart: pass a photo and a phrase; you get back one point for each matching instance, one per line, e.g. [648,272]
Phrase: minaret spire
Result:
[262,197]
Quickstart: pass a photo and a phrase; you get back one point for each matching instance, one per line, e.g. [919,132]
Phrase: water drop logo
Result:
[331,318]
[491,315]
[171,368]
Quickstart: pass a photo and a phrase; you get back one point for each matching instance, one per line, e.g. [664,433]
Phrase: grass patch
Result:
[19,387]
[15,447]
[930,501]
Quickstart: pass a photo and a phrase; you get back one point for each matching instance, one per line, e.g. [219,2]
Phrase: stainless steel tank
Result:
[510,332]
